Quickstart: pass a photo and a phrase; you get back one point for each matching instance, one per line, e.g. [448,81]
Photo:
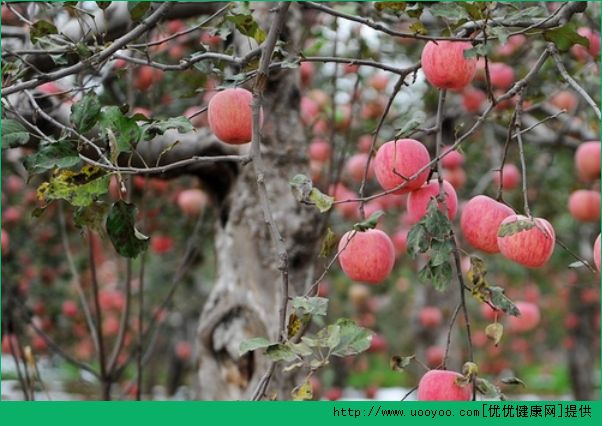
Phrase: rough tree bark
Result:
[244,302]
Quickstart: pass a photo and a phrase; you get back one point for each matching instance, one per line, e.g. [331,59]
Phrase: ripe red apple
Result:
[14,184]
[480,220]
[587,161]
[146,76]
[319,150]
[512,45]
[456,177]
[307,71]
[5,242]
[597,252]
[192,201]
[511,177]
[434,356]
[370,392]
[340,193]
[366,256]
[161,244]
[581,52]
[197,119]
[501,75]
[440,385]
[110,326]
[69,309]
[212,40]
[473,99]
[419,200]
[479,338]
[445,66]
[364,143]
[378,343]
[183,351]
[398,160]
[527,320]
[230,116]
[350,68]
[452,158]
[379,81]
[565,99]
[529,247]
[400,241]
[309,110]
[356,166]
[430,317]
[333,394]
[584,205]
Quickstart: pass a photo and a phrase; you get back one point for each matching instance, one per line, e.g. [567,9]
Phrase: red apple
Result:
[480,220]
[110,326]
[434,356]
[452,158]
[356,166]
[364,143]
[198,119]
[501,75]
[341,193]
[440,385]
[597,252]
[584,205]
[333,394]
[531,247]
[512,45]
[527,320]
[565,99]
[581,52]
[397,161]
[419,200]
[146,76]
[183,351]
[307,71]
[366,256]
[587,161]
[69,309]
[230,116]
[473,99]
[456,177]
[430,317]
[309,110]
[511,178]
[400,241]
[379,81]
[192,201]
[445,66]
[212,40]
[378,343]
[161,244]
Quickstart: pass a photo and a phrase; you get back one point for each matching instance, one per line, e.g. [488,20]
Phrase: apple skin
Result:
[480,220]
[146,77]
[348,210]
[587,161]
[457,177]
[356,165]
[379,81]
[400,241]
[473,99]
[192,201]
[419,200]
[501,75]
[445,66]
[69,309]
[230,116]
[319,150]
[183,351]
[597,252]
[565,99]
[527,320]
[434,356]
[430,317]
[531,248]
[366,256]
[306,71]
[309,110]
[584,205]
[512,176]
[452,159]
[402,157]
[440,385]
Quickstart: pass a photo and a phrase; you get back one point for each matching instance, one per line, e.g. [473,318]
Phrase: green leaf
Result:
[513,381]
[41,29]
[329,242]
[495,331]
[322,201]
[418,28]
[439,276]
[126,130]
[86,112]
[302,349]
[440,252]
[80,188]
[247,26]
[399,363]
[138,9]
[92,216]
[13,133]
[301,186]
[253,344]
[393,6]
[501,33]
[411,124]
[303,392]
[121,227]
[578,264]
[564,37]
[353,338]
[478,50]
[369,223]
[435,222]
[488,389]
[474,9]
[419,240]
[500,301]
[310,305]
[280,352]
[449,10]
[515,227]
[154,128]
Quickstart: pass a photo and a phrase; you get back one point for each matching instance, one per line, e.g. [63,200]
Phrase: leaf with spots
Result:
[121,227]
[79,188]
